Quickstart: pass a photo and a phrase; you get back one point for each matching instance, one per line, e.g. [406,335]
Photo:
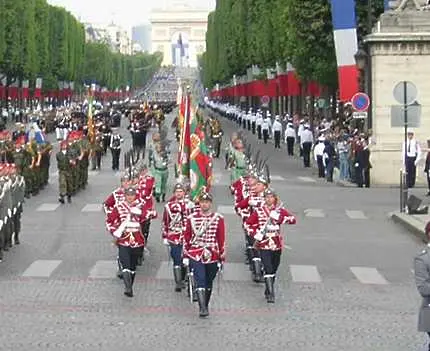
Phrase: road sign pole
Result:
[405,115]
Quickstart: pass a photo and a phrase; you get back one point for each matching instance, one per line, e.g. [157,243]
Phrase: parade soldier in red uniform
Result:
[244,209]
[145,184]
[175,216]
[117,195]
[124,223]
[204,245]
[264,227]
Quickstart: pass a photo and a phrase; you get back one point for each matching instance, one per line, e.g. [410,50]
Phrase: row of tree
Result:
[242,33]
[40,40]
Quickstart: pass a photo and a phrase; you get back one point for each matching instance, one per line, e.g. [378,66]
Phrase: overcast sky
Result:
[126,13]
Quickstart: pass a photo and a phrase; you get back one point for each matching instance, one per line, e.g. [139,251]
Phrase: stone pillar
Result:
[399,50]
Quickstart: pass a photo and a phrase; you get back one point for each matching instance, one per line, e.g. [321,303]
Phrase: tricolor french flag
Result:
[345,41]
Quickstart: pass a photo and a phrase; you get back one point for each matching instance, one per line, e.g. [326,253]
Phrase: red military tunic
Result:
[175,220]
[116,197]
[240,189]
[261,222]
[124,223]
[246,206]
[146,185]
[204,237]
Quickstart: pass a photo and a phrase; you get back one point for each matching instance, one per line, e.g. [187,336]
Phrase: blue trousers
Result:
[204,273]
[176,254]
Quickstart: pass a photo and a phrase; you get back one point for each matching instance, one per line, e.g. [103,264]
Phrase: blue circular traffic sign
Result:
[360,102]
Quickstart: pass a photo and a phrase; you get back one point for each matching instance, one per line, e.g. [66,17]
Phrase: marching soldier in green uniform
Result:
[96,152]
[37,173]
[7,229]
[22,160]
[159,161]
[45,163]
[74,152]
[65,177]
[238,160]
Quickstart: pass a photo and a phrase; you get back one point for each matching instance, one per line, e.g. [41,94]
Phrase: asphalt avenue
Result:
[345,281]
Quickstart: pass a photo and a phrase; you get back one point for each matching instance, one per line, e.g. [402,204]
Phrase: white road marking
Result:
[104,270]
[277,178]
[41,268]
[237,272]
[354,214]
[307,179]
[368,275]
[226,209]
[315,213]
[305,274]
[47,207]
[92,208]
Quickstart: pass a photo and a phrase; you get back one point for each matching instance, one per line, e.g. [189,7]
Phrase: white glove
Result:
[14,211]
[118,233]
[1,224]
[19,203]
[9,212]
[190,205]
[186,261]
[220,266]
[5,219]
[166,242]
[274,215]
[252,203]
[136,211]
[258,236]
[356,165]
[416,162]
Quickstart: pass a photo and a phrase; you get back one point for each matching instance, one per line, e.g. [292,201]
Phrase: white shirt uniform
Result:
[319,149]
[413,149]
[259,120]
[306,137]
[265,125]
[290,133]
[277,126]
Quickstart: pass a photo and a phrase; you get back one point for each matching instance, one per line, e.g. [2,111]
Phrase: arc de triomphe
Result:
[176,23]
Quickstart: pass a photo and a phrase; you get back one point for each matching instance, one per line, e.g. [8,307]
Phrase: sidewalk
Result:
[414,223]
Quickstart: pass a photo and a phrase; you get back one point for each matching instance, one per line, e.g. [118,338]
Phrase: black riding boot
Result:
[177,274]
[201,298]
[270,288]
[257,272]
[208,297]
[119,273]
[128,282]
[61,199]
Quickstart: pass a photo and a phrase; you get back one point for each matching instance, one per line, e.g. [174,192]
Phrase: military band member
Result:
[124,223]
[204,246]
[115,146]
[175,214]
[263,226]
[238,162]
[159,161]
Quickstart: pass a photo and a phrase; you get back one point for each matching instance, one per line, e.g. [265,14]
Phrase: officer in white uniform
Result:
[277,132]
[411,156]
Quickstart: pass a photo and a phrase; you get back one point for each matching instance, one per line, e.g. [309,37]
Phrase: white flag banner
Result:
[39,83]
[25,84]
[72,85]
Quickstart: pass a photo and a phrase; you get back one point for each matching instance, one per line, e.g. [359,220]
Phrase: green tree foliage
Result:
[40,40]
[242,33]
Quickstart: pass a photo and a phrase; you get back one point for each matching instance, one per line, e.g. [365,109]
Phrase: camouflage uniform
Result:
[65,177]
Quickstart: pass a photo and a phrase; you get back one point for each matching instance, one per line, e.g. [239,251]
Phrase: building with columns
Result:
[176,24]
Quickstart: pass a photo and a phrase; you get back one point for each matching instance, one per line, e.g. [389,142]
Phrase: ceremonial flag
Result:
[181,45]
[200,161]
[90,122]
[185,142]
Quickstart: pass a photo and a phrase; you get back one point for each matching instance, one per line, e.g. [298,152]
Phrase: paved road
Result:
[345,283]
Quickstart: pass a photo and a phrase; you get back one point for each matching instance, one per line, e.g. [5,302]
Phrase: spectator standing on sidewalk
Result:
[277,132]
[427,167]
[343,152]
[363,165]
[422,281]
[290,138]
[329,159]
[306,141]
[411,153]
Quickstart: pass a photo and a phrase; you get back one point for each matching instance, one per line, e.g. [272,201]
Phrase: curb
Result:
[410,223]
